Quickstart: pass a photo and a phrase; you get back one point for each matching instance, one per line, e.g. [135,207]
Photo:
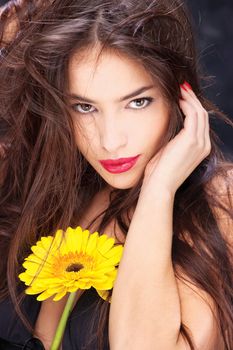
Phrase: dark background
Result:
[213,23]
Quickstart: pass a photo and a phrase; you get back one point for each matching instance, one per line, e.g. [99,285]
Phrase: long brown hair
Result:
[45,181]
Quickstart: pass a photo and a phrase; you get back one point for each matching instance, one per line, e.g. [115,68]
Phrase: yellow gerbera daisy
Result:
[71,260]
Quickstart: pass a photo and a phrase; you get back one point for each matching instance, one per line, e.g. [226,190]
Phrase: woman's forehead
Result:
[112,74]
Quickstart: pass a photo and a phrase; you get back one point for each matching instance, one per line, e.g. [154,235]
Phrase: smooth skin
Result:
[154,302]
[113,125]
[148,302]
[176,161]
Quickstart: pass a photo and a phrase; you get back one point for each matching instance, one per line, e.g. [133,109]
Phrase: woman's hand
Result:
[169,168]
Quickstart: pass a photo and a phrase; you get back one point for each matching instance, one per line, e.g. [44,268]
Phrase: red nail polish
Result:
[183,87]
[188,85]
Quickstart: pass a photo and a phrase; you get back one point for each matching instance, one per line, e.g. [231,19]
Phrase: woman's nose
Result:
[112,135]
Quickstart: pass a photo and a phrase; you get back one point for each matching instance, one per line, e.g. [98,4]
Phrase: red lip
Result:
[119,165]
[117,161]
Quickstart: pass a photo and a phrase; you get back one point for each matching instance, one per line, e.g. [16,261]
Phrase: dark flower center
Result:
[74,267]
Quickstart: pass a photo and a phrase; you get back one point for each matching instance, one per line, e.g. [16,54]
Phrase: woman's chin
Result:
[122,183]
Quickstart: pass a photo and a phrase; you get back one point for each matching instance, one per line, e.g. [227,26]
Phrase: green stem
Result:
[62,323]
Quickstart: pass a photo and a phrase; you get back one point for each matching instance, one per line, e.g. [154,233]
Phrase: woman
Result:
[104,125]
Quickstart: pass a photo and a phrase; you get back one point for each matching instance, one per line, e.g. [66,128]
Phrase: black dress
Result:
[14,335]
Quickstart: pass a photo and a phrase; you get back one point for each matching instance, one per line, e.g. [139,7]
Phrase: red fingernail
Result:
[183,87]
[188,85]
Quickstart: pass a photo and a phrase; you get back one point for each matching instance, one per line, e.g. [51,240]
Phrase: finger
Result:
[190,121]
[202,118]
[190,96]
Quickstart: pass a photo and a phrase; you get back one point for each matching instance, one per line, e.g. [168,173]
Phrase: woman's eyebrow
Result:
[132,94]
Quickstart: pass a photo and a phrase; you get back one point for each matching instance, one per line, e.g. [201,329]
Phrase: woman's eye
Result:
[83,108]
[140,103]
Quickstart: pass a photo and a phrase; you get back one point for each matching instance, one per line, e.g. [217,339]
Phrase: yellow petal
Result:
[31,290]
[69,284]
[92,242]
[103,293]
[82,285]
[96,277]
[106,246]
[73,289]
[46,242]
[39,252]
[78,239]
[46,269]
[117,250]
[110,262]
[112,274]
[24,277]
[34,258]
[56,289]
[101,240]
[108,284]
[34,268]
[71,239]
[59,295]
[53,280]
[59,238]
[103,270]
[85,237]
[43,296]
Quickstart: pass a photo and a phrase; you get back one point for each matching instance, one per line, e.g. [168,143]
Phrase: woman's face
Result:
[118,112]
